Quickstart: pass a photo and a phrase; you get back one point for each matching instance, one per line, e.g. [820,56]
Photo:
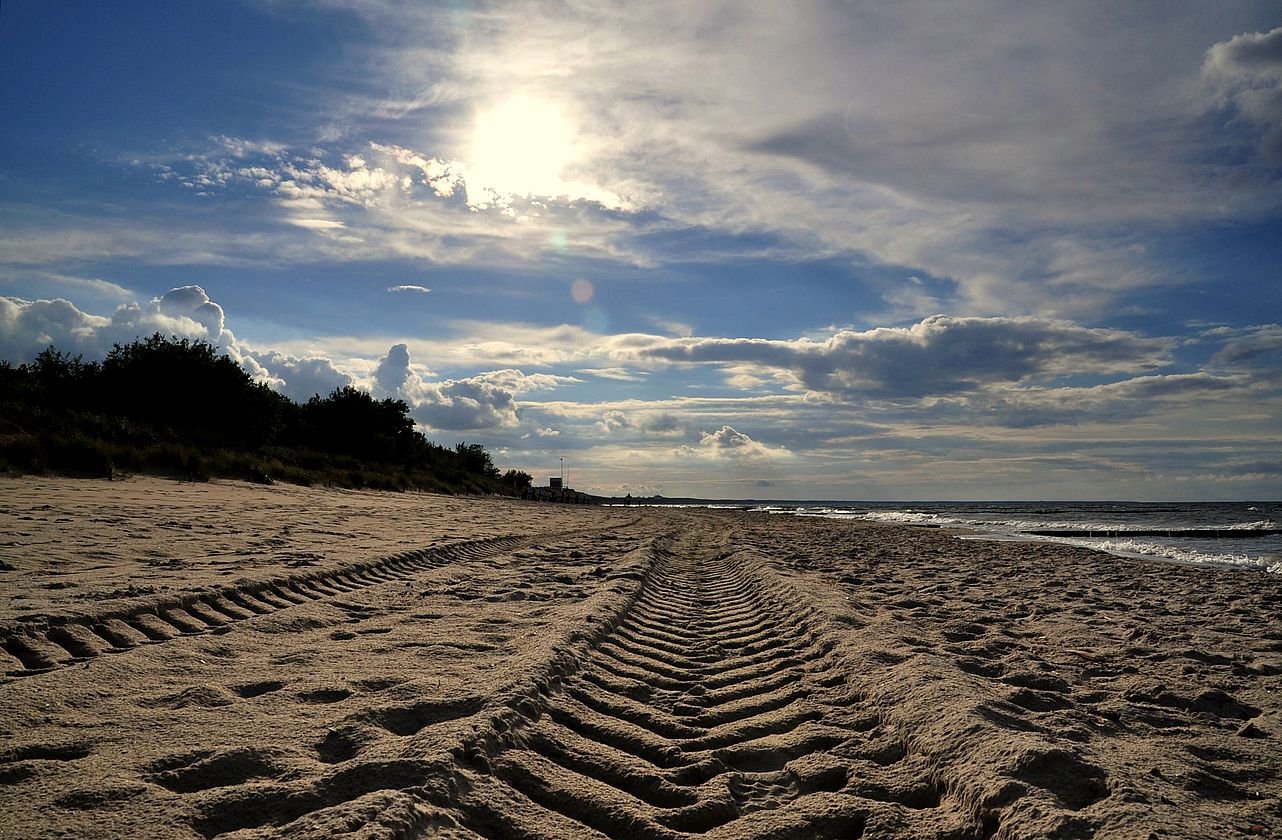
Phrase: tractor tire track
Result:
[712,707]
[41,644]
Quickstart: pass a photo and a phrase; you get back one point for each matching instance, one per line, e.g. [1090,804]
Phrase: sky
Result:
[806,250]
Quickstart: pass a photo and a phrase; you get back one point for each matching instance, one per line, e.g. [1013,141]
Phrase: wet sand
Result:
[228,660]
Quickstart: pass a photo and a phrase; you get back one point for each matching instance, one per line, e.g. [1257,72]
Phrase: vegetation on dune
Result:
[179,407]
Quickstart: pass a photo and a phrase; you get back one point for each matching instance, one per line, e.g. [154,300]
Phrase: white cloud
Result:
[1257,348]
[484,401]
[301,378]
[938,355]
[1014,153]
[466,404]
[93,285]
[1000,154]
[614,420]
[1246,74]
[27,327]
[392,375]
[519,382]
[316,224]
[409,287]
[618,374]
[728,444]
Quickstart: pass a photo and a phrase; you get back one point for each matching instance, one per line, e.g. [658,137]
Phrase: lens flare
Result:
[582,291]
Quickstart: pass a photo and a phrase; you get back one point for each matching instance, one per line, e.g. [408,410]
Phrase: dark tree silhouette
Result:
[182,406]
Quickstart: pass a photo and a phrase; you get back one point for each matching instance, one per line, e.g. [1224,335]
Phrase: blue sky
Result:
[811,250]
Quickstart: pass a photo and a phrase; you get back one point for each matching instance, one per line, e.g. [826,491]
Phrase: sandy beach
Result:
[238,661]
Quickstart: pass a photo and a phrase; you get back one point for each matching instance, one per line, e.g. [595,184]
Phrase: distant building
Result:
[554,482]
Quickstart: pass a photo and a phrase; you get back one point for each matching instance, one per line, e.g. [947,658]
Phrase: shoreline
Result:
[323,662]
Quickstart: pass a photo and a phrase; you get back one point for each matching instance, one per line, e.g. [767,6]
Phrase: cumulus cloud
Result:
[392,374]
[29,326]
[302,377]
[485,401]
[519,382]
[409,287]
[1246,74]
[728,444]
[614,420]
[192,302]
[466,404]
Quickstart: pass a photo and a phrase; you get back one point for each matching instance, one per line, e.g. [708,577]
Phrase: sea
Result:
[1206,533]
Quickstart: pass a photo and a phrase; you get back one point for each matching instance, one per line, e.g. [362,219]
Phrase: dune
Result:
[235,661]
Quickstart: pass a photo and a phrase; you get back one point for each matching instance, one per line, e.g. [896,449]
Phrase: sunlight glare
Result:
[520,147]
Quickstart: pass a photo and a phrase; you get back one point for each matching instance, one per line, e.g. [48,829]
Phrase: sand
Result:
[234,661]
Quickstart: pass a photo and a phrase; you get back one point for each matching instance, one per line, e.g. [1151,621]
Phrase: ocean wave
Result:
[1017,528]
[1137,548]
[923,517]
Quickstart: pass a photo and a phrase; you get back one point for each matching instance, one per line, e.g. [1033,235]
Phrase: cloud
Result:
[614,420]
[466,404]
[94,285]
[316,224]
[392,374]
[484,401]
[1245,73]
[192,302]
[27,327]
[937,356]
[301,378]
[1111,403]
[1003,158]
[1257,348]
[618,374]
[728,444]
[519,382]
[388,200]
[409,287]
[643,421]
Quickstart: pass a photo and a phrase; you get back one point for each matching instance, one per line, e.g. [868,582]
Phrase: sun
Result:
[521,146]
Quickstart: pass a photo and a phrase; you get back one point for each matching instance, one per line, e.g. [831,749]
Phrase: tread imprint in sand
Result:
[714,706]
[43,643]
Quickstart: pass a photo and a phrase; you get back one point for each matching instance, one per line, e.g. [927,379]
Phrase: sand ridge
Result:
[542,671]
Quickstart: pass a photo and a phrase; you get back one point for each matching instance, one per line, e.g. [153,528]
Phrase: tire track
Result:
[712,706]
[44,643]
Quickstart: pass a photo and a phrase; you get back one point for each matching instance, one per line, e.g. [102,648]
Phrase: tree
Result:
[179,383]
[475,459]
[63,381]
[351,422]
[516,481]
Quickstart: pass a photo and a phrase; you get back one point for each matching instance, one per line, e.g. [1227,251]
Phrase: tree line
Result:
[176,406]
